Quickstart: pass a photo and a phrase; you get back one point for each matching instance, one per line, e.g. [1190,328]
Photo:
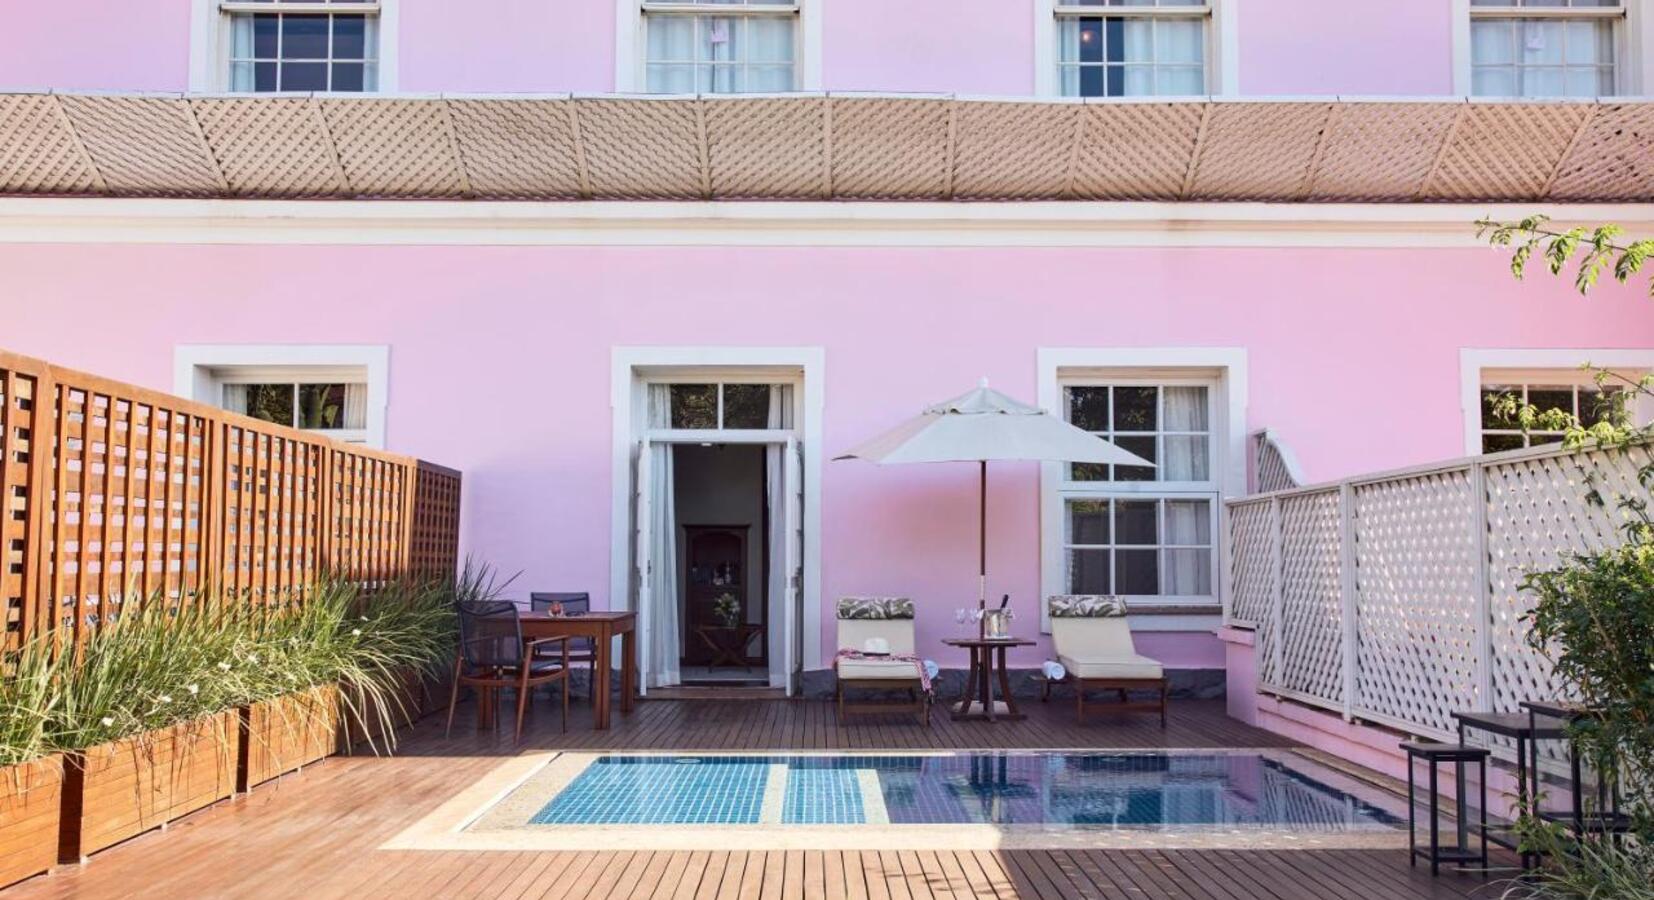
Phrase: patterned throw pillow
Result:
[875,608]
[1087,606]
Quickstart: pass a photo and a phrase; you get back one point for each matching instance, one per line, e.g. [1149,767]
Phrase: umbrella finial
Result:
[982,382]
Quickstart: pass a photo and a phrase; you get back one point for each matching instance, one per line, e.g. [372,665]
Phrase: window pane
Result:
[1088,472]
[1499,82]
[769,39]
[1187,458]
[1179,41]
[1088,408]
[1135,408]
[1542,42]
[1136,40]
[270,402]
[747,406]
[1137,521]
[694,405]
[241,76]
[1492,41]
[347,77]
[1180,81]
[1144,448]
[304,76]
[1490,400]
[1186,409]
[1543,82]
[1088,522]
[1589,42]
[671,79]
[349,37]
[1188,522]
[1188,573]
[671,38]
[1138,572]
[264,36]
[1494,443]
[1088,572]
[322,406]
[1136,81]
[1605,405]
[769,79]
[1091,41]
[720,39]
[264,76]
[303,37]
[1547,398]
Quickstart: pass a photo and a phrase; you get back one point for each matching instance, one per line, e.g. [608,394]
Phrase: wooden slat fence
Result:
[1396,597]
[111,492]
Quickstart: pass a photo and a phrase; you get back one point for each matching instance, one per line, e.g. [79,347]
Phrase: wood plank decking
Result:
[315,835]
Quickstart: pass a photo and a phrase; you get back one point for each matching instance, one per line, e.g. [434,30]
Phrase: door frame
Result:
[633,367]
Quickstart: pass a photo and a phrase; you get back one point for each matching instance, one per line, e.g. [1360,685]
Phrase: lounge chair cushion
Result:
[877,670]
[875,608]
[1133,666]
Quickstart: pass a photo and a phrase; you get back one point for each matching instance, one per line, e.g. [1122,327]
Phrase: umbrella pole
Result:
[982,555]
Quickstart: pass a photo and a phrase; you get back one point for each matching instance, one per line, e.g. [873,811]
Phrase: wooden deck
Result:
[315,834]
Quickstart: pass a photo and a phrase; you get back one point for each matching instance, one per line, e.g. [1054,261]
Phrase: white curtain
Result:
[235,398]
[781,403]
[665,625]
[1185,456]
[1187,571]
[356,406]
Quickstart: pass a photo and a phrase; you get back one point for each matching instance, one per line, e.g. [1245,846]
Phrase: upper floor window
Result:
[302,45]
[1132,48]
[1545,48]
[720,46]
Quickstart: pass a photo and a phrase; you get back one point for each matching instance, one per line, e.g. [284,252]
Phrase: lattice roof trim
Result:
[825,147]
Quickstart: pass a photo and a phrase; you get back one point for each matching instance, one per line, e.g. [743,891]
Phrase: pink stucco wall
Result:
[962,46]
[507,45]
[965,46]
[1400,47]
[500,365]
[96,45]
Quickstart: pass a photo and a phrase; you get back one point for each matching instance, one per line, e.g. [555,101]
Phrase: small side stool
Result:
[1433,755]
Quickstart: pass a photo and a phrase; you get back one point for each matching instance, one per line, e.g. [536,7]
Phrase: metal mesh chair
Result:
[493,654]
[581,649]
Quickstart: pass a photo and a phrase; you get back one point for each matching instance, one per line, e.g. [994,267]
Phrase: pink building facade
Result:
[520,341]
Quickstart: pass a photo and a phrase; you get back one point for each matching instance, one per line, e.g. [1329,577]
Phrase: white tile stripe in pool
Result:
[775,795]
[872,797]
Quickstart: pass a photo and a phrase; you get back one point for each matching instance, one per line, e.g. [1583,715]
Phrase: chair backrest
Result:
[863,618]
[541,601]
[1090,627]
[490,634]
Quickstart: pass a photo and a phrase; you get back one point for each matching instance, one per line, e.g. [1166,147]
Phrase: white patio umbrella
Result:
[982,426]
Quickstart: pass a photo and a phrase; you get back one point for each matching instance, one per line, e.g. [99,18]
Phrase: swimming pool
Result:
[888,800]
[1047,790]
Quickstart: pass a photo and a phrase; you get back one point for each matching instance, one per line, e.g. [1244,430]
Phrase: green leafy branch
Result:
[1598,249]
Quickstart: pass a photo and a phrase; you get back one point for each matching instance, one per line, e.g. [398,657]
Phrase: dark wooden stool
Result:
[1433,755]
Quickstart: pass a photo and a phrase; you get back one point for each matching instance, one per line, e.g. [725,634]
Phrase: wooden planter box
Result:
[115,791]
[279,736]
[354,732]
[30,805]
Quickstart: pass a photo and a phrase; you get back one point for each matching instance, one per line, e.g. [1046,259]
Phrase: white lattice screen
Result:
[1395,598]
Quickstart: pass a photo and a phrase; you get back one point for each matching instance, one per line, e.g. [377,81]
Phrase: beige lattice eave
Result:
[824,147]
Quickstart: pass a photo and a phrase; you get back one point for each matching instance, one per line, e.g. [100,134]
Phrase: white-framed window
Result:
[1572,391]
[1548,378]
[261,46]
[1547,48]
[337,390]
[720,46]
[1132,48]
[1145,533]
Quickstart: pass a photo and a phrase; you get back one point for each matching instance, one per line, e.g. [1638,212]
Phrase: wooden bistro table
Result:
[987,658]
[601,627]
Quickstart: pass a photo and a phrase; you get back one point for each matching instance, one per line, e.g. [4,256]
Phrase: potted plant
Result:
[31,779]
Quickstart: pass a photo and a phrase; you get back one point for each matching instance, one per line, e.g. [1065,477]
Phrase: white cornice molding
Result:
[1030,224]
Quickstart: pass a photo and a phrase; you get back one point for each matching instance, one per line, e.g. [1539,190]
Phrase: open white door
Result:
[642,551]
[793,563]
